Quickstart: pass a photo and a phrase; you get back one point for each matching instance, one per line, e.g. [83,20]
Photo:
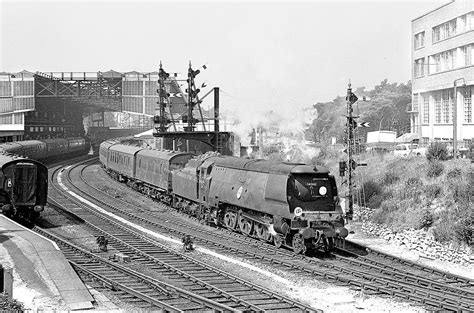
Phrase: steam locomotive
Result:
[24,180]
[290,204]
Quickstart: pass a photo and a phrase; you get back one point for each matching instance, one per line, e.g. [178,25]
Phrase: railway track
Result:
[373,256]
[204,280]
[439,290]
[143,291]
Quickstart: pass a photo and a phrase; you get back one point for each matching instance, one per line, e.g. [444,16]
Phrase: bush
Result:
[10,305]
[437,151]
[463,229]
[383,215]
[435,169]
[412,189]
[456,224]
[375,201]
[432,191]
[390,178]
[370,190]
[426,219]
[454,173]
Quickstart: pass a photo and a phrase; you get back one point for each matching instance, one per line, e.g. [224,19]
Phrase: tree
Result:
[386,108]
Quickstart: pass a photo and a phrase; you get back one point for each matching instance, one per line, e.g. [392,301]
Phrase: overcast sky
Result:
[263,55]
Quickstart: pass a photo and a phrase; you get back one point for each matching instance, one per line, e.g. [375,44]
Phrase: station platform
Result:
[39,264]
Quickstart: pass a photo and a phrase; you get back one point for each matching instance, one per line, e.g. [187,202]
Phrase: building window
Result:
[437,97]
[18,118]
[414,103]
[419,40]
[445,61]
[426,109]
[438,63]
[420,67]
[32,129]
[436,34]
[447,104]
[468,105]
[462,26]
[466,55]
[448,60]
[445,30]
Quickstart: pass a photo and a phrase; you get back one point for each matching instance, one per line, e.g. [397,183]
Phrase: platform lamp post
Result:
[455,117]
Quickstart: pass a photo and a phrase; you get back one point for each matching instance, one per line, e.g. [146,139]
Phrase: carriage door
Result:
[206,178]
[24,184]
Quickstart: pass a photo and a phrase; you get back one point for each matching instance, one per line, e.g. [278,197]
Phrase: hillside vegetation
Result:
[406,193]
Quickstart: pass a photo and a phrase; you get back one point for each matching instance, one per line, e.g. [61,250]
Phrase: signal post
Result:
[350,165]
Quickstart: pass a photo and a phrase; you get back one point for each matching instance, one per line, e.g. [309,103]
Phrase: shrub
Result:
[463,229]
[412,189]
[426,219]
[435,169]
[437,151]
[454,173]
[10,305]
[384,214]
[432,191]
[390,178]
[456,224]
[370,189]
[375,201]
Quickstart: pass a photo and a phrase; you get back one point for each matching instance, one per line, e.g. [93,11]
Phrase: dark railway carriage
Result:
[121,161]
[48,148]
[28,148]
[33,149]
[153,170]
[104,151]
[77,144]
[11,147]
[56,146]
[24,187]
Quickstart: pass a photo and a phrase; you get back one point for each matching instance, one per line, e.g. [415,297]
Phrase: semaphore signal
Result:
[350,165]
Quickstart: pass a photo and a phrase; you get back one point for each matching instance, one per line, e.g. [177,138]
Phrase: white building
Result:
[443,73]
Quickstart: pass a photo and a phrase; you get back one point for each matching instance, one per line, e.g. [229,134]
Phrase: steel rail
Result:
[261,289]
[393,285]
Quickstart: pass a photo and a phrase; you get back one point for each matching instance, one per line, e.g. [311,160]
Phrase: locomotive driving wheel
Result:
[298,244]
[245,225]
[262,232]
[230,219]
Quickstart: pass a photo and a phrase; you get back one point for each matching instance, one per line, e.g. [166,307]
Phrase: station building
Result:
[443,74]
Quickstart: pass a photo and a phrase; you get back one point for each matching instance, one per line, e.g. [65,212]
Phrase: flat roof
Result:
[452,1]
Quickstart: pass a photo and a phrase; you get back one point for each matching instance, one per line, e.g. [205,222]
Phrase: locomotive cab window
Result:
[310,187]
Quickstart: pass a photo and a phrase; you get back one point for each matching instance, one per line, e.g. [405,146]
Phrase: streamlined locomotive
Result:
[290,204]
